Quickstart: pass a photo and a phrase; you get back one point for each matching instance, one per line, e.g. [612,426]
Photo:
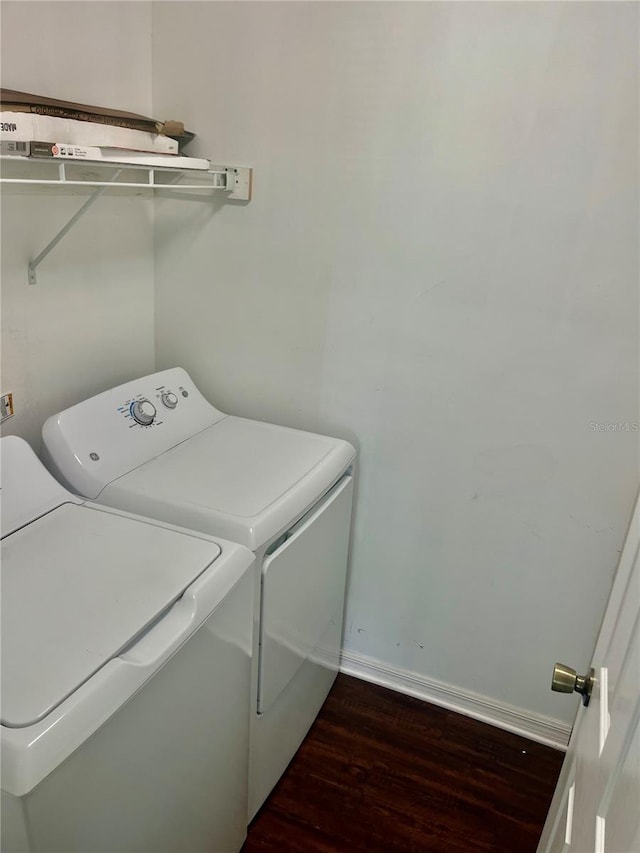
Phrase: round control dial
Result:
[169,399]
[143,411]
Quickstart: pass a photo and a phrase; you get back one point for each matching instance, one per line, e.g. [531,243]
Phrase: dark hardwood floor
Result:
[385,773]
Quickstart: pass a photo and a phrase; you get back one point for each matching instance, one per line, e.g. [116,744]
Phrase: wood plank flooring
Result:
[385,773]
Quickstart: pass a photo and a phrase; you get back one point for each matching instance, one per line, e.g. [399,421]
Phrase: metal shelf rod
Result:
[140,186]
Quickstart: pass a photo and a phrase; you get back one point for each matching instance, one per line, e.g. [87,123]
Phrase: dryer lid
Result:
[79,585]
[241,479]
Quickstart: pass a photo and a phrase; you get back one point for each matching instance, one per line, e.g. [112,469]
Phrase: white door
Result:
[596,805]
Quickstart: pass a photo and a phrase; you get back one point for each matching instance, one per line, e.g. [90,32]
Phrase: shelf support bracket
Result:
[33,264]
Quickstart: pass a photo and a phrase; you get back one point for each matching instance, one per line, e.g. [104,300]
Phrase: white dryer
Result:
[125,676]
[155,446]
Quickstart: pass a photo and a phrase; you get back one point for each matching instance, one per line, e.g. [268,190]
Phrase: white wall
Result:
[88,324]
[440,262]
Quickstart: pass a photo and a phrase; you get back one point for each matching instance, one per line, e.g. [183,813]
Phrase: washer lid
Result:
[28,489]
[241,479]
[78,585]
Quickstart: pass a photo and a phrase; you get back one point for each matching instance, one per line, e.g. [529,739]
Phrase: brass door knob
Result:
[566,680]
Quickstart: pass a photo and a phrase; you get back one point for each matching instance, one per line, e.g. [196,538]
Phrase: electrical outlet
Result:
[6,407]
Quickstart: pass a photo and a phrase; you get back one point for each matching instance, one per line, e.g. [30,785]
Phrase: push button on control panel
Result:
[143,412]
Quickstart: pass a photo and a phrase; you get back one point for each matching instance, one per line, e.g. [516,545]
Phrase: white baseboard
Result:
[533,726]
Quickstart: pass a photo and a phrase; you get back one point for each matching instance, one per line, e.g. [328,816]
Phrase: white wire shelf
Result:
[230,182]
[31,171]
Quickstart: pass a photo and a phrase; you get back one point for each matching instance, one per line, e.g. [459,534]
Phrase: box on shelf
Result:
[63,151]
[12,99]
[37,150]
[29,127]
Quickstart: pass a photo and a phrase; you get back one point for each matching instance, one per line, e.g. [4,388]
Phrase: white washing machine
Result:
[155,446]
[126,664]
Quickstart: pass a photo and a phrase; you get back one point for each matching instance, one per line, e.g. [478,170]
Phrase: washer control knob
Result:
[143,411]
[169,399]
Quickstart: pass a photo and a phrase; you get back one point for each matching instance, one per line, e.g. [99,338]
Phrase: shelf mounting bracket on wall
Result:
[33,264]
